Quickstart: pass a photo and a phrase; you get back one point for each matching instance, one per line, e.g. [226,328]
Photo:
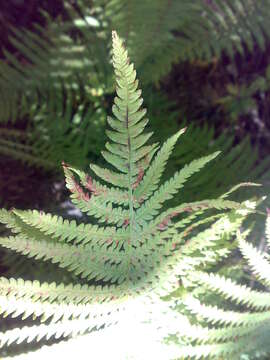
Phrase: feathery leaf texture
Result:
[134,247]
[187,30]
[172,31]
[53,59]
[232,333]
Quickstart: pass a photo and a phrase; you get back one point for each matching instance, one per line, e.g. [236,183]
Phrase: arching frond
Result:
[134,250]
[232,332]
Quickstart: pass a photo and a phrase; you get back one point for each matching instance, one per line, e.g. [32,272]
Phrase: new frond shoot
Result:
[135,249]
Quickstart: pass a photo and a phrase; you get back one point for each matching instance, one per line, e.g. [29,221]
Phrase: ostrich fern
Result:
[133,251]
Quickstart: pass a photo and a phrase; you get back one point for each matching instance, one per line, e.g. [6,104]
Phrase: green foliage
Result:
[74,49]
[48,58]
[66,128]
[240,98]
[56,68]
[52,89]
[134,250]
[232,331]
[185,30]
[235,164]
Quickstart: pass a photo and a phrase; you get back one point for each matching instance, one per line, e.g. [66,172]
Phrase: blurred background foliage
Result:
[203,64]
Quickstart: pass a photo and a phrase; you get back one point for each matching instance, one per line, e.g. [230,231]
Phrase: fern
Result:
[184,30]
[135,250]
[54,58]
[172,31]
[46,59]
[62,126]
[231,333]
[235,164]
[48,87]
[240,99]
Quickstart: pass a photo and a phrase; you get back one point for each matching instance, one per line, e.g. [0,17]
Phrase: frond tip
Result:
[135,247]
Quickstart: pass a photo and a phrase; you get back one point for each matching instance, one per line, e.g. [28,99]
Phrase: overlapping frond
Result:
[233,332]
[171,31]
[46,58]
[133,247]
[59,129]
[187,30]
[54,58]
[225,167]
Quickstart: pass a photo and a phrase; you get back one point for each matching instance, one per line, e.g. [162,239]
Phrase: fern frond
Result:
[56,330]
[52,292]
[67,257]
[218,316]
[230,349]
[95,188]
[92,204]
[229,331]
[134,249]
[23,152]
[51,55]
[169,188]
[128,124]
[57,129]
[65,231]
[173,31]
[150,181]
[258,262]
[229,289]
[25,308]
